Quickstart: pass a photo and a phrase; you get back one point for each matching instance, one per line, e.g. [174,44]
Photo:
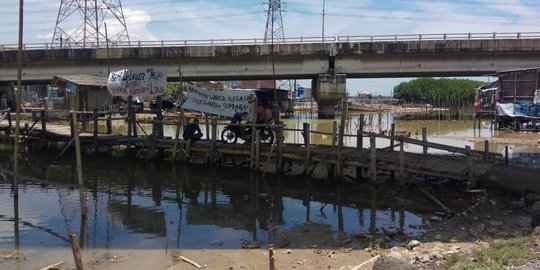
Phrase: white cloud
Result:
[137,22]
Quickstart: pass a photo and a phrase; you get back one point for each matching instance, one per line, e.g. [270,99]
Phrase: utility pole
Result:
[81,23]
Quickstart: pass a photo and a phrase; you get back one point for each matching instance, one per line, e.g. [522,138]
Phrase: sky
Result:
[226,19]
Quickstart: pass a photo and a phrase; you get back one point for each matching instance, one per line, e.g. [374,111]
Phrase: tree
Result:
[174,89]
[439,92]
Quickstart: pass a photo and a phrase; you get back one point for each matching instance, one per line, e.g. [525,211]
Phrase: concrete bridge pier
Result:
[328,90]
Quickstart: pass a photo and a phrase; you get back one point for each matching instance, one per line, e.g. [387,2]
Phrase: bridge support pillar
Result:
[328,90]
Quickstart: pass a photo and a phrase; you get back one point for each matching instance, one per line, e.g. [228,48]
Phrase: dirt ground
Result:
[310,246]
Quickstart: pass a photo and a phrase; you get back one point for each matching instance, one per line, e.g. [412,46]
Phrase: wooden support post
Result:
[486,149]
[43,119]
[362,123]
[359,139]
[10,126]
[280,147]
[207,124]
[252,149]
[134,122]
[73,127]
[109,124]
[96,126]
[392,134]
[10,121]
[401,163]
[307,145]
[176,137]
[82,196]
[257,151]
[214,141]
[506,161]
[334,133]
[424,139]
[271,257]
[373,158]
[339,165]
[472,182]
[130,121]
[129,116]
[159,117]
[76,251]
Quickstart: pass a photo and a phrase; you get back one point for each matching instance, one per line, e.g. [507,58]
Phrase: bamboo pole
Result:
[82,197]
[437,202]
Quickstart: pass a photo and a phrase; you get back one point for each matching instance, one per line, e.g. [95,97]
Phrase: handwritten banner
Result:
[140,82]
[225,103]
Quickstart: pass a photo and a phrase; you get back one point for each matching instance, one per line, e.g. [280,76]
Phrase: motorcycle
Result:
[236,130]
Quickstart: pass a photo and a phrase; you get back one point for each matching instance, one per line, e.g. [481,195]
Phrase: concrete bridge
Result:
[299,58]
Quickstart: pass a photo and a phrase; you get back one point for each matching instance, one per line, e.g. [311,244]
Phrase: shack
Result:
[513,101]
[83,92]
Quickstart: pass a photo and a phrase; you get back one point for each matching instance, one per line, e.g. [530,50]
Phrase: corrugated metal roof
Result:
[84,79]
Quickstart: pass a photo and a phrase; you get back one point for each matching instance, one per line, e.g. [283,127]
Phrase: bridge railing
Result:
[288,40]
[446,36]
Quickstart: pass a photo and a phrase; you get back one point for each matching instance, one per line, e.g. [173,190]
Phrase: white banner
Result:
[140,82]
[225,103]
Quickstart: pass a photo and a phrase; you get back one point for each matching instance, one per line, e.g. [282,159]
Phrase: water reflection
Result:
[135,204]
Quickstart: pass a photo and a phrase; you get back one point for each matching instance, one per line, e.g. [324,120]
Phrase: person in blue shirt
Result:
[192,131]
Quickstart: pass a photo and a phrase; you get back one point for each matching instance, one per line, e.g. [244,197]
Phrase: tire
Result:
[266,136]
[229,136]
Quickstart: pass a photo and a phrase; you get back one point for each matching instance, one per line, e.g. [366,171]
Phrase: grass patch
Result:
[499,254]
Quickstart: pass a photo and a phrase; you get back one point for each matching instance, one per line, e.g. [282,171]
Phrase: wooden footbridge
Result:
[368,161]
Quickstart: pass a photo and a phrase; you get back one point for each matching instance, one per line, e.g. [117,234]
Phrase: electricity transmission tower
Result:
[84,23]
[274,32]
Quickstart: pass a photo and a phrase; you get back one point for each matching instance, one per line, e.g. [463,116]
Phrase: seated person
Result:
[264,115]
[192,131]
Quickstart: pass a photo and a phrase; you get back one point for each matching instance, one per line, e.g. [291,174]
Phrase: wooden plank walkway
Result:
[452,166]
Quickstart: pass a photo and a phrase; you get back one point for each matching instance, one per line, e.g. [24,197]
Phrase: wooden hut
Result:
[83,92]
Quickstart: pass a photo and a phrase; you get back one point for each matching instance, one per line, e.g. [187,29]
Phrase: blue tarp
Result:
[518,109]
